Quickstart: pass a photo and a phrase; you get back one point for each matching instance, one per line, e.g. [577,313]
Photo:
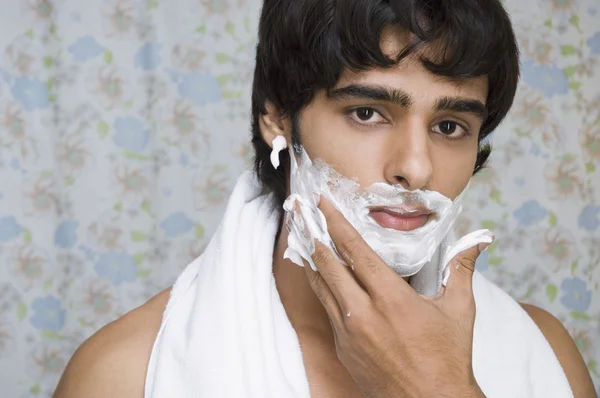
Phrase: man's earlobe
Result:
[272,124]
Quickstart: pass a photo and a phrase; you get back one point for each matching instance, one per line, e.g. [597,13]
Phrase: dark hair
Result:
[305,45]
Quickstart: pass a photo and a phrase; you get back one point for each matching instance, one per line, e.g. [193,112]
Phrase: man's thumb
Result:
[462,267]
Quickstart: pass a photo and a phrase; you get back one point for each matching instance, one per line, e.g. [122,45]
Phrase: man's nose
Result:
[409,159]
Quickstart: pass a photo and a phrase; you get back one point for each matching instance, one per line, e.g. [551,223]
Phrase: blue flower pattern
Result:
[9,228]
[31,92]
[589,218]
[131,134]
[118,267]
[550,80]
[85,48]
[530,212]
[48,314]
[594,43]
[66,234]
[201,88]
[176,224]
[576,296]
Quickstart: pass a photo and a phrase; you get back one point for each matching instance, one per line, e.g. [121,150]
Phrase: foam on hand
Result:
[466,242]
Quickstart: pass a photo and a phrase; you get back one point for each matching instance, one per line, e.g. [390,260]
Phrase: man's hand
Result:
[393,341]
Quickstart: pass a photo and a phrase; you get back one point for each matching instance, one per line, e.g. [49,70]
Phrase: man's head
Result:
[396,91]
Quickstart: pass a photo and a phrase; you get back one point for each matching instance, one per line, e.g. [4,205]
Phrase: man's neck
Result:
[326,374]
[301,304]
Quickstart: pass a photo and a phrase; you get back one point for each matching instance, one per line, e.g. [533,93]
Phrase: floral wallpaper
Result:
[124,125]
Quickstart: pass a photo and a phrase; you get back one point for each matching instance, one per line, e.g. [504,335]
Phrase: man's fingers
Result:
[338,277]
[325,295]
[368,267]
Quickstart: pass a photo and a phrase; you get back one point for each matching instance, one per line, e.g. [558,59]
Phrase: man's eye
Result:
[366,116]
[450,129]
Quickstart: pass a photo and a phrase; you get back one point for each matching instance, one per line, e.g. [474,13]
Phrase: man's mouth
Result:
[400,219]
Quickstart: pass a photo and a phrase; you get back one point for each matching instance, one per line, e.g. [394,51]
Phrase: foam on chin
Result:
[404,251]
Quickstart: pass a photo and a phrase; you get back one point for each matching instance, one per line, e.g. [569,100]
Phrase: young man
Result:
[395,92]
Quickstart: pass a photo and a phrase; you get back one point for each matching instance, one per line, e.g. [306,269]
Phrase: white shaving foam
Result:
[404,251]
[466,242]
[278,145]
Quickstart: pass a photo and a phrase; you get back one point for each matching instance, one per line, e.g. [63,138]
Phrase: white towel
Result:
[225,332]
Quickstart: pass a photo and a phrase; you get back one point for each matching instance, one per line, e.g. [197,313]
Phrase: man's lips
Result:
[400,220]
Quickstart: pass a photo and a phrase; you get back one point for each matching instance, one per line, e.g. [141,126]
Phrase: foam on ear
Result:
[278,145]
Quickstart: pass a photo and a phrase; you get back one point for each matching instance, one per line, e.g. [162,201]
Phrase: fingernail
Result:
[317,198]
[483,246]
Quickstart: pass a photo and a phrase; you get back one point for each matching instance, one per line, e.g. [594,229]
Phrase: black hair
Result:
[305,45]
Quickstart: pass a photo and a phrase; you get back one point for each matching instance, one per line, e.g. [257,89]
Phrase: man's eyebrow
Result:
[376,93]
[462,105]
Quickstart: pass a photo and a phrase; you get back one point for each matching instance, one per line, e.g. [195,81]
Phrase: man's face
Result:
[401,125]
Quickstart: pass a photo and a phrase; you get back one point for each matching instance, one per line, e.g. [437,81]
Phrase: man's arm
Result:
[113,362]
[565,350]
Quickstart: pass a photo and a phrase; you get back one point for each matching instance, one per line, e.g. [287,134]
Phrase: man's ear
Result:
[274,124]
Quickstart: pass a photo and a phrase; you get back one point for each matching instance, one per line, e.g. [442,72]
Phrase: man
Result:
[399,92]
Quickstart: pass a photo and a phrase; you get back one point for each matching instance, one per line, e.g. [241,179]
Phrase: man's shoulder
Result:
[113,362]
[565,350]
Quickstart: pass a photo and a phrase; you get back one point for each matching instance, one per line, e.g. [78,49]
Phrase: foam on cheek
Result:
[405,252]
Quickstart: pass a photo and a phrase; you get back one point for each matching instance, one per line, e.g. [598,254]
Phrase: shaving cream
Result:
[466,242]
[404,251]
[278,144]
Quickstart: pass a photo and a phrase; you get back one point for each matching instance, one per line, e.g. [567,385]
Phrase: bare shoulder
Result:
[113,362]
[565,350]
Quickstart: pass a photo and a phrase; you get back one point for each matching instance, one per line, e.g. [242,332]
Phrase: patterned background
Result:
[124,125]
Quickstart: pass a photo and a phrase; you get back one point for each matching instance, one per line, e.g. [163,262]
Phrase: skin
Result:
[399,145]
